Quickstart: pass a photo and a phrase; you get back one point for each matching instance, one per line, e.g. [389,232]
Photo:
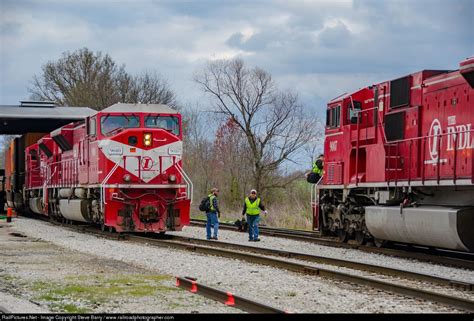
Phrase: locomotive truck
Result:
[399,162]
[120,168]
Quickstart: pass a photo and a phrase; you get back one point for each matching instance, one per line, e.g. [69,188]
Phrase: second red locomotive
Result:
[120,168]
[399,162]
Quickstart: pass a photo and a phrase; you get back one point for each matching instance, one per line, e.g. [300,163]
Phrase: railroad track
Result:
[244,253]
[329,261]
[227,298]
[211,248]
[443,257]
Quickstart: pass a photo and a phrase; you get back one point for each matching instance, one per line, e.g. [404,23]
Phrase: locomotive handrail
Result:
[102,187]
[358,112]
[46,182]
[314,196]
[188,181]
[70,173]
[379,121]
[429,136]
[396,144]
[423,142]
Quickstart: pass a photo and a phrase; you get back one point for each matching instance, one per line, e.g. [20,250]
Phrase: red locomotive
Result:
[399,162]
[120,168]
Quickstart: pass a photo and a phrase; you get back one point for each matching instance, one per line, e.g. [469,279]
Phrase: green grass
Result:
[70,308]
[95,289]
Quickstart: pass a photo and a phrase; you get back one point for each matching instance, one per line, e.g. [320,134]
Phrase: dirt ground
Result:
[38,276]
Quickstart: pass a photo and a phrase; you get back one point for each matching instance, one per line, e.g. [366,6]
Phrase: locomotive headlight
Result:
[172,178]
[127,178]
[147,138]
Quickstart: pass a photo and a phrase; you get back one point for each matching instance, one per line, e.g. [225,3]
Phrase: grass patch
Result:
[97,289]
[70,308]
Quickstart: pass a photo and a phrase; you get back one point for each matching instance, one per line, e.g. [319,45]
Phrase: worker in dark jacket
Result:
[213,214]
[317,172]
[252,207]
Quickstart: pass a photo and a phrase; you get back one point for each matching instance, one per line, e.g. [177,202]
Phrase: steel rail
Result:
[457,302]
[332,261]
[411,254]
[449,300]
[227,298]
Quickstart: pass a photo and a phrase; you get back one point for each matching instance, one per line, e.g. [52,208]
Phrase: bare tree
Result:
[273,121]
[149,87]
[85,78]
[198,156]
[5,141]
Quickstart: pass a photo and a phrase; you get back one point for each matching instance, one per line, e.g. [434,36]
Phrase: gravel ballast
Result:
[338,253]
[279,288]
[38,276]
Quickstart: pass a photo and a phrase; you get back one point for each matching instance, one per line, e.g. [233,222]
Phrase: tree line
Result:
[240,139]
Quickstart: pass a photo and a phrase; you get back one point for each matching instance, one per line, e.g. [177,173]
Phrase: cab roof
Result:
[140,108]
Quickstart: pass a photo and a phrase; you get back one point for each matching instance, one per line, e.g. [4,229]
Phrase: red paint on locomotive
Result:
[120,168]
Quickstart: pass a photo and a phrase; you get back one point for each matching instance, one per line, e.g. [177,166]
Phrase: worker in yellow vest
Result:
[252,207]
[317,172]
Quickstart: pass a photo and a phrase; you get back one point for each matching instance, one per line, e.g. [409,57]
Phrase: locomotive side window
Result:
[169,123]
[112,124]
[333,117]
[92,127]
[352,112]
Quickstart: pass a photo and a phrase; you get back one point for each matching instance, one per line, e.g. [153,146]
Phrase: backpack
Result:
[205,205]
[313,178]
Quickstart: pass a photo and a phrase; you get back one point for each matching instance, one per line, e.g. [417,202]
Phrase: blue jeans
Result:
[253,220]
[212,220]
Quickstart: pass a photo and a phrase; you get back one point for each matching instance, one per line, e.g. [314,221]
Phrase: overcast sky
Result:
[318,48]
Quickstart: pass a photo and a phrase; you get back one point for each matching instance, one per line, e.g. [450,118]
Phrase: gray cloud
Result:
[318,48]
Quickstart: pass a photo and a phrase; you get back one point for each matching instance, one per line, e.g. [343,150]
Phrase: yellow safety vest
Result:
[317,170]
[211,199]
[252,208]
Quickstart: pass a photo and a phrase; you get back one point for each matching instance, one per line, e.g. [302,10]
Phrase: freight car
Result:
[120,168]
[399,162]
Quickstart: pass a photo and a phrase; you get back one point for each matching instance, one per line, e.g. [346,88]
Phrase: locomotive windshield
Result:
[112,124]
[169,123]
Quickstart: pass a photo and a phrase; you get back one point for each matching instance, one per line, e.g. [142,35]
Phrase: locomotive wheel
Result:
[360,238]
[343,235]
[111,229]
[379,243]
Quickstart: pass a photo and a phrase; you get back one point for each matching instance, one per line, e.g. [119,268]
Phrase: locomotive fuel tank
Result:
[434,226]
[75,210]
[36,205]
